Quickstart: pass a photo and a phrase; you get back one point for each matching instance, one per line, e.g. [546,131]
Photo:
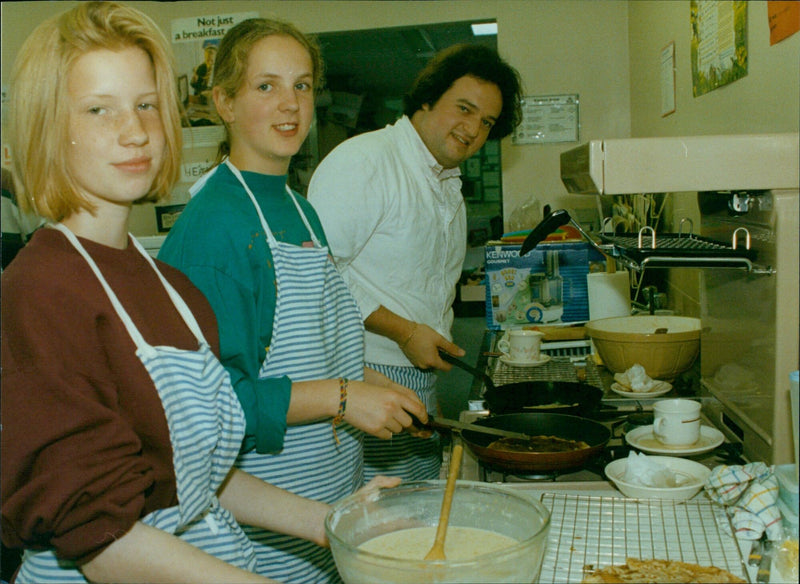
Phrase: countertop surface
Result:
[587,492]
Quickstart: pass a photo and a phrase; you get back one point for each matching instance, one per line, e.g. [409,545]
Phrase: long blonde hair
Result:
[38,126]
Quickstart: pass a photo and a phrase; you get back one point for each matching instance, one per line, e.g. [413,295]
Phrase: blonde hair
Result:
[230,65]
[38,126]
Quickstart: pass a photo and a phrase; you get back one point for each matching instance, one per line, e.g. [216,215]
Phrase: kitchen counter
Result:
[592,523]
[585,487]
[564,368]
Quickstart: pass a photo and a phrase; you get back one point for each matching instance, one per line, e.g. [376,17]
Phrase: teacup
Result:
[521,345]
[676,422]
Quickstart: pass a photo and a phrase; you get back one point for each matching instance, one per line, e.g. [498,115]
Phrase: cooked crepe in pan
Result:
[538,444]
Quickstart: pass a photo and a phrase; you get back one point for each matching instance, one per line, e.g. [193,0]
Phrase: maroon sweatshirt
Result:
[85,443]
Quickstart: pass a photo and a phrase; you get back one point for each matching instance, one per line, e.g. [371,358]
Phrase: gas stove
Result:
[474,469]
[570,361]
[618,420]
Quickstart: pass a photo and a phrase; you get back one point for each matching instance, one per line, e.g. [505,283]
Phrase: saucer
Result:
[542,360]
[643,439]
[662,387]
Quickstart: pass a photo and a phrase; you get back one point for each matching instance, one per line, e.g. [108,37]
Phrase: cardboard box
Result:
[547,286]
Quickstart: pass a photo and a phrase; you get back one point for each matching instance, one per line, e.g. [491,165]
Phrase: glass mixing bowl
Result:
[495,508]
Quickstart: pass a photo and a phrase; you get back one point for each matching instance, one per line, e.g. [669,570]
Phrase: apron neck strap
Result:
[134,333]
[261,217]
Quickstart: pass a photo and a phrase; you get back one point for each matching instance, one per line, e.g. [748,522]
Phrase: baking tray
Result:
[690,249]
[589,532]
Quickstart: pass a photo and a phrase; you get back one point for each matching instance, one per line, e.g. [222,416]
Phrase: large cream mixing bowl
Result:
[493,508]
[664,345]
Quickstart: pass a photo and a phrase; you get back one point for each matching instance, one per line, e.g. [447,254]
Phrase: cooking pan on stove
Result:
[595,434]
[563,397]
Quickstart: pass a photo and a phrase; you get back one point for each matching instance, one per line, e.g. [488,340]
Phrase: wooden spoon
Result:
[437,549]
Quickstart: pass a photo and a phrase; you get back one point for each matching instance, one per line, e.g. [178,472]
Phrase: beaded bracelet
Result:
[343,381]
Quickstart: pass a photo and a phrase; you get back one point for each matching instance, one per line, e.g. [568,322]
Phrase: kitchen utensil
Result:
[357,519]
[437,422]
[690,476]
[549,224]
[554,396]
[482,375]
[595,434]
[437,549]
[625,341]
[642,438]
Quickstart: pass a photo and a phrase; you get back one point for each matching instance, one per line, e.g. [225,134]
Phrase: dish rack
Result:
[645,248]
[638,250]
[591,532]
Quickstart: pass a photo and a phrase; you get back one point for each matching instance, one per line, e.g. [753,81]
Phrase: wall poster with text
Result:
[719,43]
[195,41]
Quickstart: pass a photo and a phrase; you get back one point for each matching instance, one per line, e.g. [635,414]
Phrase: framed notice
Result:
[166,215]
[668,80]
[548,118]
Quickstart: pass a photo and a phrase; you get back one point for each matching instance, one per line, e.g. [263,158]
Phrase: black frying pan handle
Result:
[547,226]
[468,368]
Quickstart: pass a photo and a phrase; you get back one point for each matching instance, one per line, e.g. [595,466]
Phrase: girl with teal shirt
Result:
[291,334]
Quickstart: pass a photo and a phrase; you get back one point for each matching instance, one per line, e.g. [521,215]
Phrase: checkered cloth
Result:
[750,492]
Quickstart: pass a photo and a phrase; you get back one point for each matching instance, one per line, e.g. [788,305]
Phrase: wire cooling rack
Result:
[588,532]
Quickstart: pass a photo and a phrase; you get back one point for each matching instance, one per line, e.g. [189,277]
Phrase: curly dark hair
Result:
[479,61]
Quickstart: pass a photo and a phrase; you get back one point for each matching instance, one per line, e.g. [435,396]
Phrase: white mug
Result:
[521,345]
[676,422]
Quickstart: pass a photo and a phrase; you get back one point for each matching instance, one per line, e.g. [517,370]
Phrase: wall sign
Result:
[195,41]
[719,43]
[548,118]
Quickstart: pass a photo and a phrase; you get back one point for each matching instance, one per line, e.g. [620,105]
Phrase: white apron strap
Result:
[134,333]
[261,217]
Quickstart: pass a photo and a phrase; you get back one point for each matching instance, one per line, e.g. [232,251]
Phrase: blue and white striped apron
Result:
[206,426]
[406,456]
[317,333]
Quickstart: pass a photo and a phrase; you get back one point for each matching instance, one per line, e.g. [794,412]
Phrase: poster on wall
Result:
[195,41]
[719,43]
[784,20]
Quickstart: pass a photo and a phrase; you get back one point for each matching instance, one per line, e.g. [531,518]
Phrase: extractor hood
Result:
[676,164]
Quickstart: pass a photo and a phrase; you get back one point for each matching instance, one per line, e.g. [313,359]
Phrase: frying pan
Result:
[563,426]
[564,397]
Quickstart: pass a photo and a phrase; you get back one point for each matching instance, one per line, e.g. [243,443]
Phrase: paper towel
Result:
[609,294]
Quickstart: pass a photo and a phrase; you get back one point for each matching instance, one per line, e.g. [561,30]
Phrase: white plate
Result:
[662,387]
[643,439]
[542,360]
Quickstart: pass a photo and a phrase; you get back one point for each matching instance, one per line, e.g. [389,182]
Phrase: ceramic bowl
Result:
[690,476]
[664,345]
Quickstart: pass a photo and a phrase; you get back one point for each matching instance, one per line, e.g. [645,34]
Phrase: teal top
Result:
[218,242]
